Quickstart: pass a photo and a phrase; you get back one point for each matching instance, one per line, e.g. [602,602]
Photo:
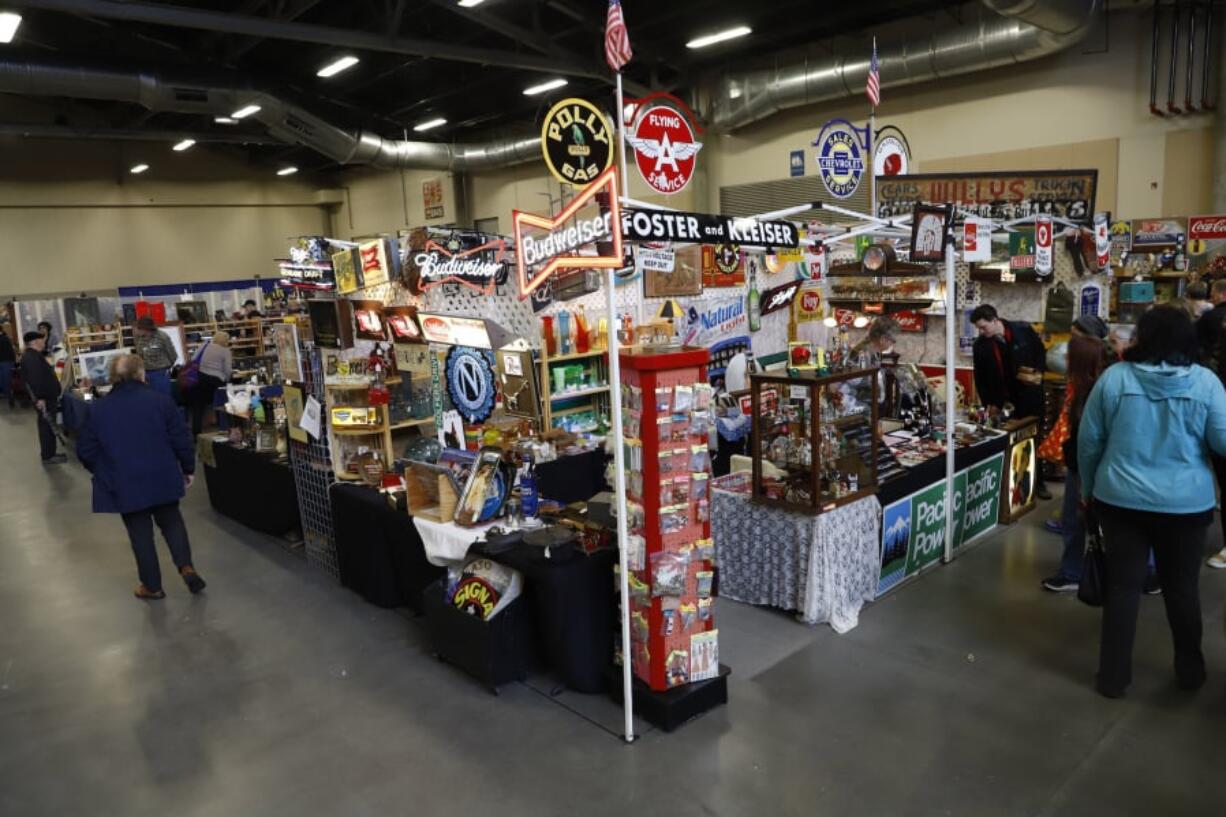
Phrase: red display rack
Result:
[666,654]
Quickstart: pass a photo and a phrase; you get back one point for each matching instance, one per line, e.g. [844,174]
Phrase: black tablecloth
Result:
[933,470]
[573,612]
[73,412]
[576,478]
[254,489]
[378,550]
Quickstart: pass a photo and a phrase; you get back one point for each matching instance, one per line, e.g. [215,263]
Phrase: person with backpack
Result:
[1143,446]
[214,366]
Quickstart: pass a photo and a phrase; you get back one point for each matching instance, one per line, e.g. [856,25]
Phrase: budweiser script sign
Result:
[474,260]
[1206,228]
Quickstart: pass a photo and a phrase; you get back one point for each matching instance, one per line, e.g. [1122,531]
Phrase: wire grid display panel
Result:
[313,478]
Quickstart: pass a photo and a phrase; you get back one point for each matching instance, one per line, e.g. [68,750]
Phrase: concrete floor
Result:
[278,692]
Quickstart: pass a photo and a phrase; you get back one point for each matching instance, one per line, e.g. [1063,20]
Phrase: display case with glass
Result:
[814,445]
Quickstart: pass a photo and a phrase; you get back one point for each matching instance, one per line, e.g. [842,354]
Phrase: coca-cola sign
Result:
[910,321]
[1204,228]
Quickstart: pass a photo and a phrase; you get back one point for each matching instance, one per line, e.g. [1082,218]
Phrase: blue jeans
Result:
[6,380]
[159,379]
[1073,524]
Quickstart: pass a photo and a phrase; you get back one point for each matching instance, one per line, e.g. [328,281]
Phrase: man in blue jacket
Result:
[138,448]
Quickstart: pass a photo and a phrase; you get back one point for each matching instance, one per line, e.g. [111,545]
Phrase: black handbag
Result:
[1092,589]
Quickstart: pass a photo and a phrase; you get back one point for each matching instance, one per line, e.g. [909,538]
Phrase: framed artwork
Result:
[348,272]
[368,316]
[517,383]
[82,312]
[96,365]
[402,321]
[192,311]
[683,281]
[293,413]
[331,323]
[285,336]
[929,233]
[723,265]
[174,330]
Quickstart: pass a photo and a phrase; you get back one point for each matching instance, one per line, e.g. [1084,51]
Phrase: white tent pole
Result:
[619,442]
[951,318]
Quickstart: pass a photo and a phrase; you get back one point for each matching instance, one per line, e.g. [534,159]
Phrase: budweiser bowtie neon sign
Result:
[540,256]
[472,268]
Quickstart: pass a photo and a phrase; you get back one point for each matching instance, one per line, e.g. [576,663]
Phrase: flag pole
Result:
[872,135]
[619,442]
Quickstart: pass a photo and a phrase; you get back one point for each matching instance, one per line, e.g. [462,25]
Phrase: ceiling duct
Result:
[285,121]
[1003,33]
[993,33]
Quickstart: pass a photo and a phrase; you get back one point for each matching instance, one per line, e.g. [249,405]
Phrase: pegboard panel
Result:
[313,478]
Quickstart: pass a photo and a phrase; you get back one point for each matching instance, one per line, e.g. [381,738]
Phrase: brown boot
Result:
[145,593]
[192,579]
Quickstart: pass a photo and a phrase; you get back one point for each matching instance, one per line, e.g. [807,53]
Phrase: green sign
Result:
[1021,250]
[916,525]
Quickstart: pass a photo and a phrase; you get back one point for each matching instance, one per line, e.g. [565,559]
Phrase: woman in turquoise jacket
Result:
[1143,456]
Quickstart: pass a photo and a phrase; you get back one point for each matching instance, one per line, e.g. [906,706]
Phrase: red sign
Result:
[538,257]
[665,148]
[723,266]
[808,305]
[1203,228]
[779,297]
[877,308]
[910,320]
[845,317]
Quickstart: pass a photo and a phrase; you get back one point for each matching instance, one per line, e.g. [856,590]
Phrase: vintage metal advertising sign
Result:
[665,148]
[1000,196]
[577,142]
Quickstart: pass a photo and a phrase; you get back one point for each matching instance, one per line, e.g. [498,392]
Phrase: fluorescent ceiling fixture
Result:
[860,322]
[712,39]
[243,113]
[334,68]
[544,86]
[830,323]
[429,124]
[139,168]
[470,3]
[9,22]
[225,120]
[287,171]
[184,145]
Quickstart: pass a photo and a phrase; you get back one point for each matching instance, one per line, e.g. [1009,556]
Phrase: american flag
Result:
[616,39]
[872,88]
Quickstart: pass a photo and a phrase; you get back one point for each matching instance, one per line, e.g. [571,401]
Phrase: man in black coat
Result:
[44,388]
[1009,363]
[8,359]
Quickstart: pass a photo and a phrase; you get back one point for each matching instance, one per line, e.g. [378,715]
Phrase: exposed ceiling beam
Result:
[183,17]
[124,134]
[293,12]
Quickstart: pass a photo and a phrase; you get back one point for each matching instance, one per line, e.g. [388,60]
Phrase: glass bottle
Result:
[564,332]
[754,305]
[551,342]
[582,338]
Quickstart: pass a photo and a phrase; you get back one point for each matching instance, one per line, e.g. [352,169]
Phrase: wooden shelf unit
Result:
[595,397]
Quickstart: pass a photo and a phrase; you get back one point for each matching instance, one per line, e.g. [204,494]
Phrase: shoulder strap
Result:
[200,352]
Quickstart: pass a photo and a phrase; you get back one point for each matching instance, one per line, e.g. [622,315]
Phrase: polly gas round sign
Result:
[665,148]
[840,159]
[891,157]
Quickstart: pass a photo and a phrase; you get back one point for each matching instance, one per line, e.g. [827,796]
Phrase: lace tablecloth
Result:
[825,567]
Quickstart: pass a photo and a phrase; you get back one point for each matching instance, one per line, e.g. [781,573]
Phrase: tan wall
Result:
[1049,110]
[384,201]
[72,218]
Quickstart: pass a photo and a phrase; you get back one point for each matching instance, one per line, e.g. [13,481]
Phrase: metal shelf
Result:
[576,356]
[571,395]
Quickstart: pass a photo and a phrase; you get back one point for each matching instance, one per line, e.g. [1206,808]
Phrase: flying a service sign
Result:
[665,148]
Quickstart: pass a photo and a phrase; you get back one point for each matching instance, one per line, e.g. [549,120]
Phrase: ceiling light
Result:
[9,21]
[184,145]
[470,3]
[335,67]
[287,171]
[860,322]
[430,124]
[712,39]
[830,322]
[139,168]
[544,86]
[225,120]
[243,113]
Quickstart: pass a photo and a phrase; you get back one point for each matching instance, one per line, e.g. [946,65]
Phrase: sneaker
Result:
[1152,586]
[56,459]
[1059,584]
[1053,526]
[192,579]
[1218,560]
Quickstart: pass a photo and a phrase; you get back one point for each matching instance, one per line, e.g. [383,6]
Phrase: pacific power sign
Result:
[913,528]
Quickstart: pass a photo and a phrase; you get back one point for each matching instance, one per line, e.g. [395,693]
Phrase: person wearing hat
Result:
[158,352]
[44,388]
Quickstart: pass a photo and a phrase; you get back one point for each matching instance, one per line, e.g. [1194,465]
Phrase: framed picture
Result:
[293,413]
[174,330]
[929,233]
[285,337]
[96,365]
[368,317]
[82,312]
[192,311]
[682,281]
[517,382]
[331,323]
[402,321]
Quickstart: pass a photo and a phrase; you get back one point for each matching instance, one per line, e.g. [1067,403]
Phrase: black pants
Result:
[140,532]
[46,434]
[201,400]
[1178,542]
